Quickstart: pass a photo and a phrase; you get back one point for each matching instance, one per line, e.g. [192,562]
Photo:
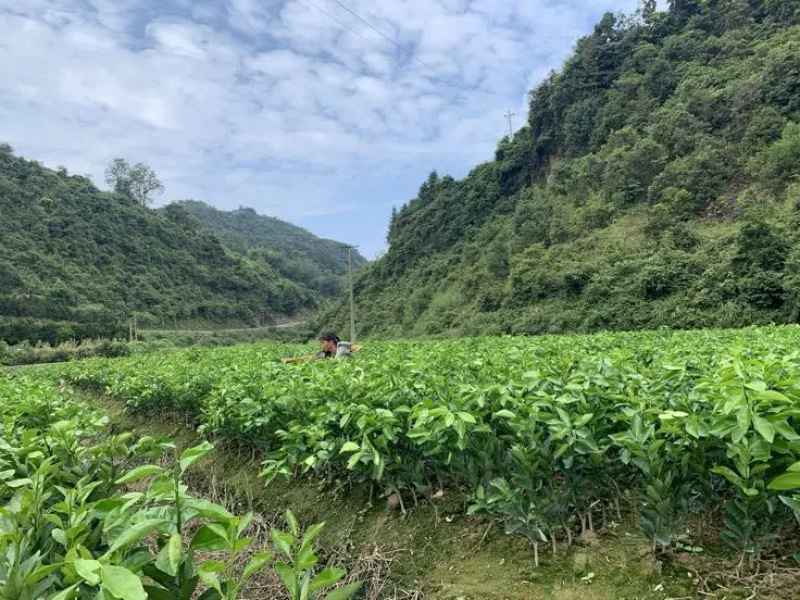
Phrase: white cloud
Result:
[271,103]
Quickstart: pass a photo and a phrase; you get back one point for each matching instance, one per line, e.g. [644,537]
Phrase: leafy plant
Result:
[298,561]
[81,516]
[555,432]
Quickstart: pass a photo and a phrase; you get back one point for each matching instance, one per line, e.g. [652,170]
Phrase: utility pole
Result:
[352,295]
[509,115]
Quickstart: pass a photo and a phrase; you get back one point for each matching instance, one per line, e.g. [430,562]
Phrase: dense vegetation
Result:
[549,435]
[83,515]
[655,183]
[78,262]
[27,353]
[295,253]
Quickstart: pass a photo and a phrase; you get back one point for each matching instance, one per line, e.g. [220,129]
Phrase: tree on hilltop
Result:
[138,182]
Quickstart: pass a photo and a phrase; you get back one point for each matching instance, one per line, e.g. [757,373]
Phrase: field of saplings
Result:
[548,435]
[90,513]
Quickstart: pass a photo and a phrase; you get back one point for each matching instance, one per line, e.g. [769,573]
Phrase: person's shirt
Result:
[342,351]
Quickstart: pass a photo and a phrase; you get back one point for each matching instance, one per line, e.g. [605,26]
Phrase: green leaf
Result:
[313,532]
[466,417]
[140,473]
[169,559]
[786,430]
[354,459]
[136,532]
[88,570]
[54,519]
[213,566]
[18,482]
[66,594]
[562,449]
[255,565]
[287,575]
[729,475]
[244,523]
[349,447]
[208,539]
[765,428]
[41,573]
[693,427]
[59,536]
[291,521]
[158,575]
[789,481]
[326,578]
[343,593]
[305,560]
[504,414]
[122,583]
[744,418]
[136,561]
[154,593]
[795,468]
[209,573]
[758,386]
[793,503]
[774,395]
[209,510]
[209,594]
[282,541]
[192,455]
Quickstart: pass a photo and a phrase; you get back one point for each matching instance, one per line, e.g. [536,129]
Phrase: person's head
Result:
[329,341]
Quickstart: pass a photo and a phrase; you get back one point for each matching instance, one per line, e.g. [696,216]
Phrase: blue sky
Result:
[274,104]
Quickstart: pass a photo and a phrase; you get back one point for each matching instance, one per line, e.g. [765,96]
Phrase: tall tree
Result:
[683,10]
[648,9]
[139,183]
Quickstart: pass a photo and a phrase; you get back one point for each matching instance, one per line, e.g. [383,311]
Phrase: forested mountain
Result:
[654,184]
[76,262]
[293,251]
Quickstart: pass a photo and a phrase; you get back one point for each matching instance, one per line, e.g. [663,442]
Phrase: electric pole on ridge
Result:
[352,296]
[509,115]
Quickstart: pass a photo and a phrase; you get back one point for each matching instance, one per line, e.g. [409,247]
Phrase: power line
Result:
[369,41]
[390,40]
[342,24]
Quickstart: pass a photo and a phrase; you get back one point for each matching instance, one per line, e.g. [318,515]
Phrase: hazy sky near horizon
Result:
[296,108]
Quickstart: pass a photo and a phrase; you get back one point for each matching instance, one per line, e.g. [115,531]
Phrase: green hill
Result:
[654,184]
[295,253]
[77,262]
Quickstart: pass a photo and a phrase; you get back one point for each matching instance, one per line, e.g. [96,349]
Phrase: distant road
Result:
[284,326]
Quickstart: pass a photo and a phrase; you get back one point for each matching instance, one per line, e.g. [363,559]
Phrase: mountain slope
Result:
[75,254]
[655,184]
[293,251]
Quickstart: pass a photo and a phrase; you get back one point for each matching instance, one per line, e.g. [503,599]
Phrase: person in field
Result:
[332,347]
